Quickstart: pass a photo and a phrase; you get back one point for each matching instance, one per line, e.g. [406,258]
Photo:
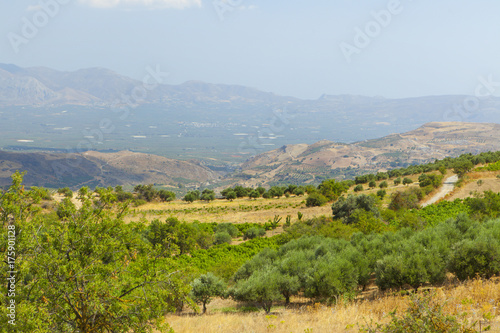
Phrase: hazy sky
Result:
[300,48]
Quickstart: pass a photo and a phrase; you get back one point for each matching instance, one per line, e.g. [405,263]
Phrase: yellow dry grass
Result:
[476,300]
[237,211]
[490,182]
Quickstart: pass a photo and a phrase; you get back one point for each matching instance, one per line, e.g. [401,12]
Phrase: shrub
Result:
[254,233]
[66,192]
[222,237]
[358,188]
[230,228]
[316,200]
[407,181]
[475,257]
[381,193]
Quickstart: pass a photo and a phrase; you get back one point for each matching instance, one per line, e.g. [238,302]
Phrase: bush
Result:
[381,193]
[475,257]
[254,233]
[230,228]
[222,237]
[316,200]
[405,199]
[358,188]
[407,181]
[384,184]
[66,192]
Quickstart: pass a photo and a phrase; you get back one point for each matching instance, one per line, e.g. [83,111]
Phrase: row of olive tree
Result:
[325,269]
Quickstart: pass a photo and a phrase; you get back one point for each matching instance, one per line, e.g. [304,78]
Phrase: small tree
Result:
[383,184]
[397,181]
[461,167]
[231,195]
[407,181]
[254,233]
[261,287]
[381,193]
[222,237]
[316,200]
[254,194]
[207,195]
[189,197]
[206,287]
[358,188]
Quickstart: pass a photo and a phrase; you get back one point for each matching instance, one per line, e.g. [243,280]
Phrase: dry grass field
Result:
[489,179]
[245,209]
[476,301]
[222,211]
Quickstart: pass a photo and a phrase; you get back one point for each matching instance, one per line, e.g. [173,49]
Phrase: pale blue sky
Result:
[288,47]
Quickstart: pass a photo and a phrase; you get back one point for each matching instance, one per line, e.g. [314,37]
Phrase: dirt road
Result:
[448,186]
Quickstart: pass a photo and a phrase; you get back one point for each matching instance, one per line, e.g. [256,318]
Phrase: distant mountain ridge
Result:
[41,86]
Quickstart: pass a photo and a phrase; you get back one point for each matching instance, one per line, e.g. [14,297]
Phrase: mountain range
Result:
[304,163]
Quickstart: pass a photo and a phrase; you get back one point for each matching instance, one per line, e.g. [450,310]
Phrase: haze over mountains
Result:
[86,113]
[201,120]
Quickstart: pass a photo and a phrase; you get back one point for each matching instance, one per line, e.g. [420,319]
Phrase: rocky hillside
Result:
[310,163]
[100,169]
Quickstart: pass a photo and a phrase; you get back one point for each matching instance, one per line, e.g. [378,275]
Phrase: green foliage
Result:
[331,189]
[174,237]
[316,200]
[261,288]
[358,188]
[345,208]
[229,228]
[383,184]
[146,192]
[475,257]
[413,266]
[222,237]
[397,181]
[165,195]
[66,192]
[431,180]
[207,195]
[254,233]
[206,287]
[254,194]
[407,181]
[88,271]
[381,194]
[442,211]
[491,167]
[462,166]
[484,205]
[406,199]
